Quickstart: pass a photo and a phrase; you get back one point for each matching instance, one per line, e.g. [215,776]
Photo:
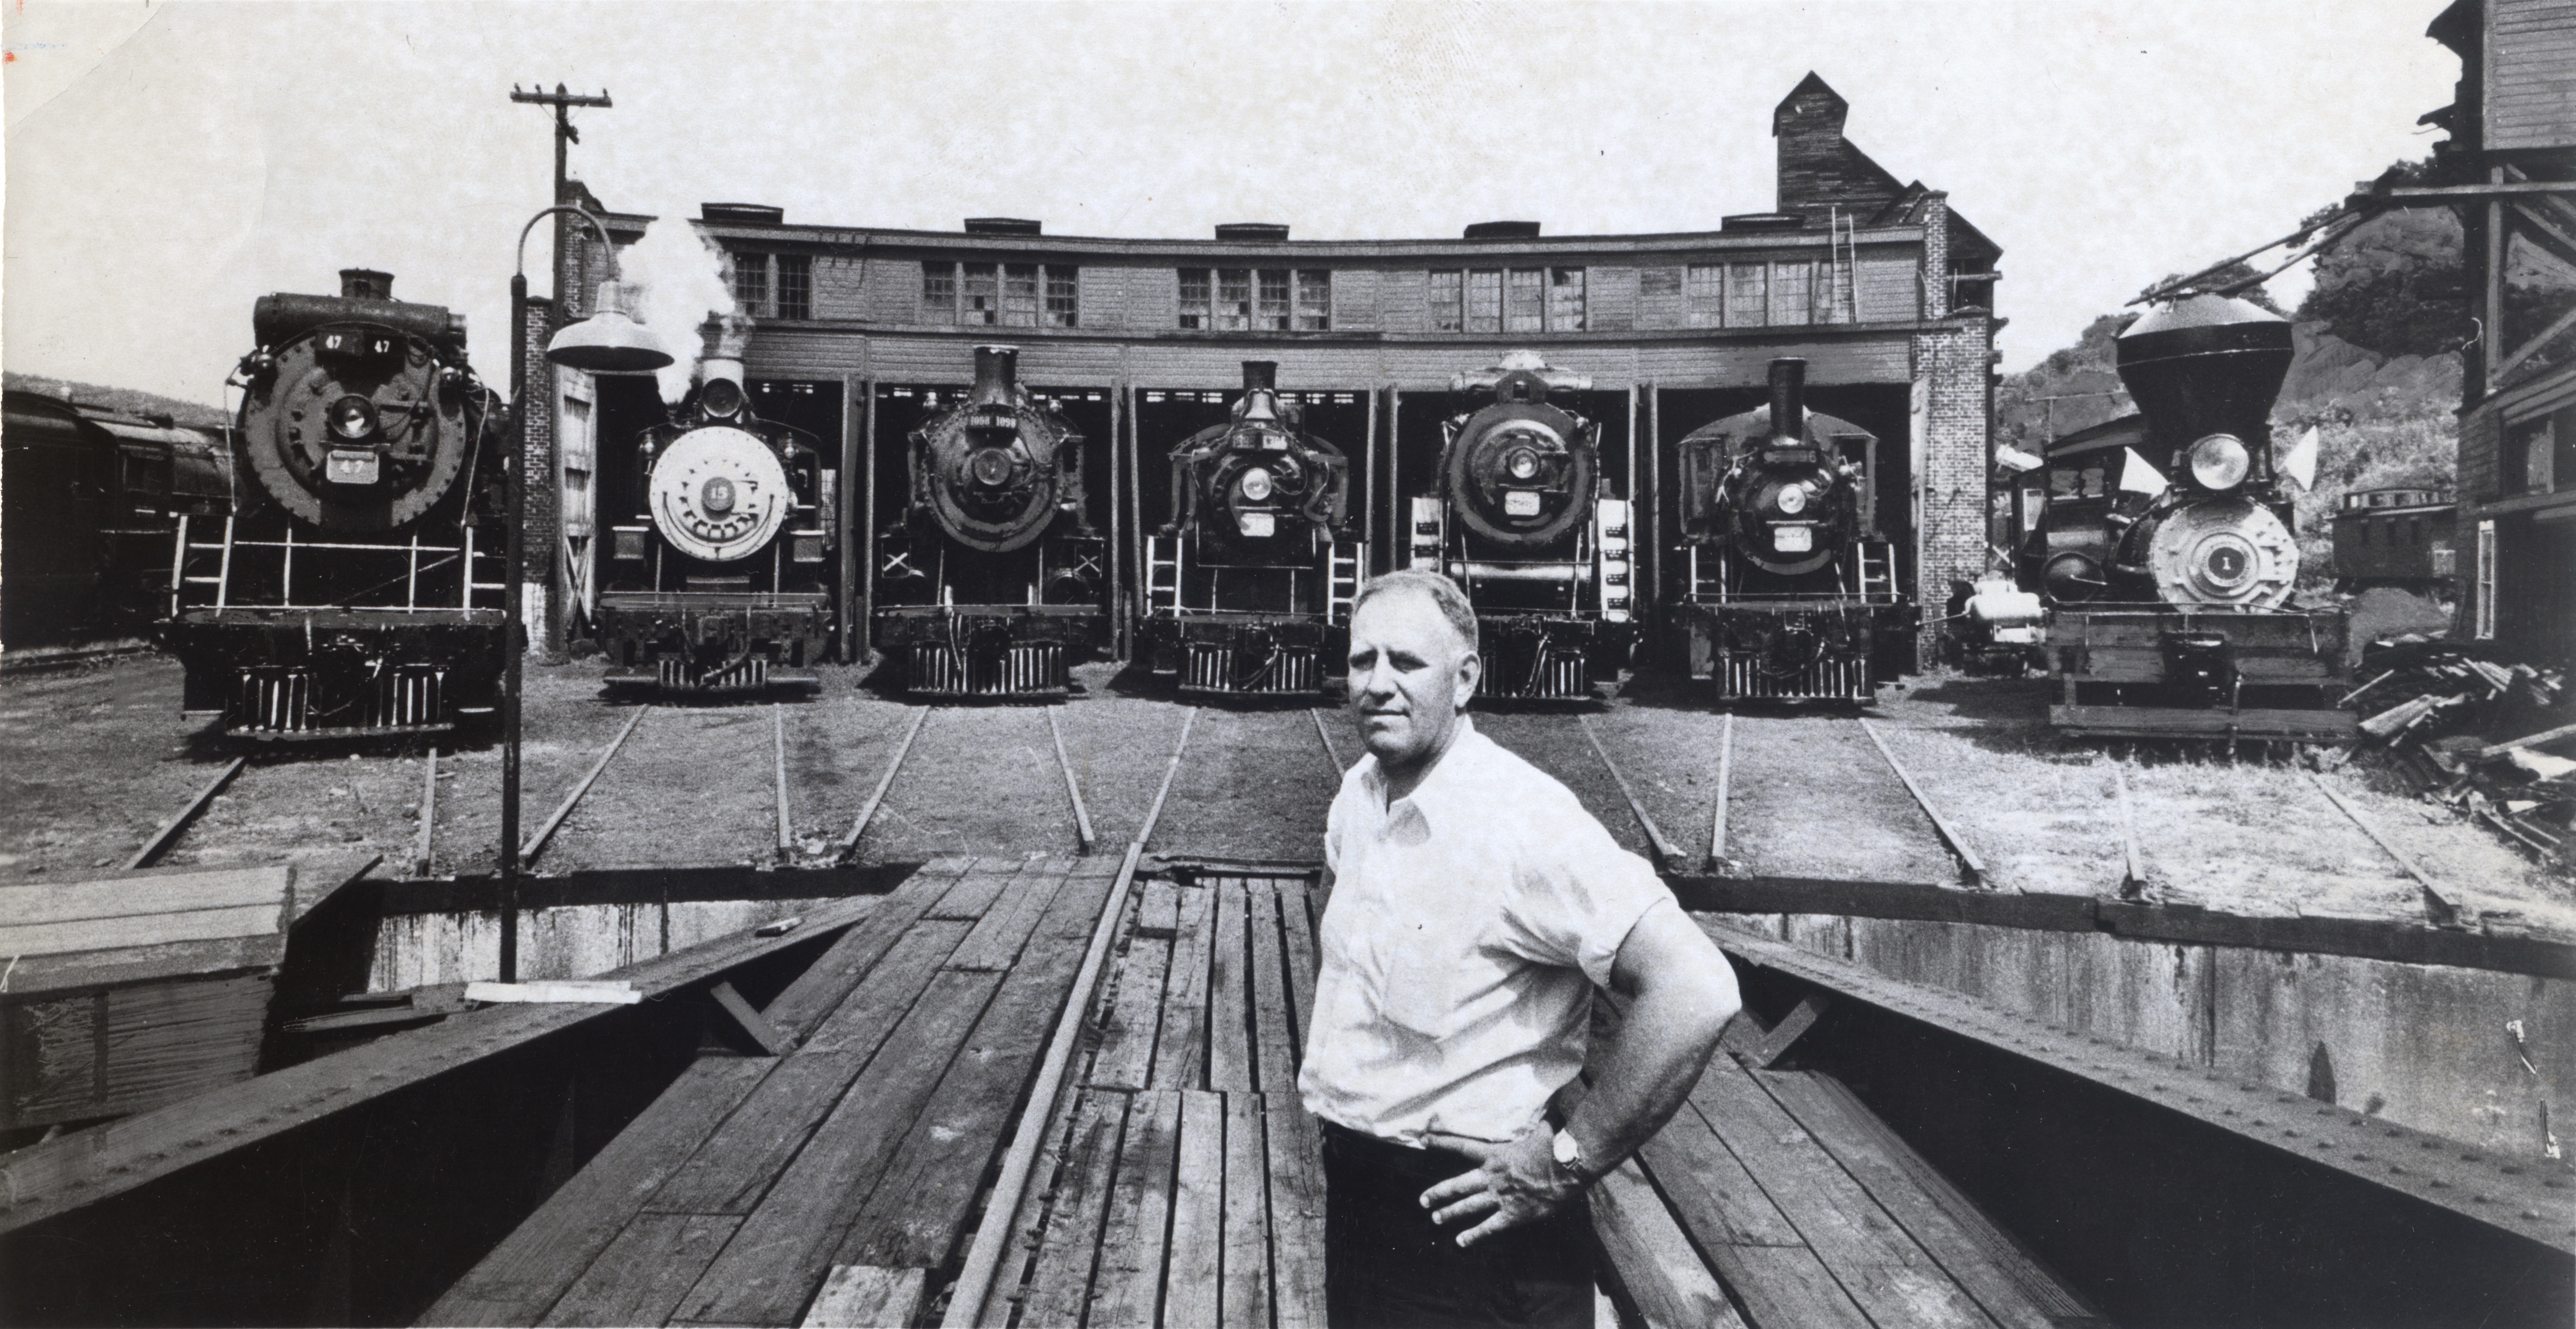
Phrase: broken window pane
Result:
[1274,300]
[1314,300]
[1194,297]
[1020,295]
[980,294]
[1063,297]
[1525,300]
[1748,294]
[1234,299]
[1565,300]
[751,284]
[1447,314]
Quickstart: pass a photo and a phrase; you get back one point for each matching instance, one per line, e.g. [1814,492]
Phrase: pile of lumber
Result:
[2484,736]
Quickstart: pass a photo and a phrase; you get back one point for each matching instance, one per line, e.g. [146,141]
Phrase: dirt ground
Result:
[92,760]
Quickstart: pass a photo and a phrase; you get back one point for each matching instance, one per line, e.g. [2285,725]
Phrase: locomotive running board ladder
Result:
[1343,573]
[1163,574]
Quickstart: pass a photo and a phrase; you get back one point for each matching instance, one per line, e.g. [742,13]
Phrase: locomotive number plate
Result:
[1258,523]
[1793,539]
[1520,503]
[350,468]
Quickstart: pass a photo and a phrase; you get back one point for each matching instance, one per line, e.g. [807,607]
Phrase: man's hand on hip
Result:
[1518,1183]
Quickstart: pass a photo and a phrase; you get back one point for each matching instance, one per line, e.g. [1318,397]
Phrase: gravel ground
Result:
[92,760]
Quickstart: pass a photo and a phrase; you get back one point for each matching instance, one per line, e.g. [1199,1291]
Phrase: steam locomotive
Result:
[994,583]
[92,497]
[1524,523]
[2163,547]
[724,578]
[1789,588]
[356,588]
[1248,589]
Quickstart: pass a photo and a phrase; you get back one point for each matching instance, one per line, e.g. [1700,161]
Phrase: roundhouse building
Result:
[1878,284]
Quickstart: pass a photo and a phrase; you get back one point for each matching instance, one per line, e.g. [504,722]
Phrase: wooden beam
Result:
[862,1296]
[750,1021]
[2133,871]
[536,843]
[1659,1274]
[1330,752]
[778,748]
[867,554]
[1792,1027]
[2494,750]
[428,815]
[45,1180]
[1725,776]
[1072,786]
[1973,866]
[2540,339]
[1667,854]
[2438,904]
[169,830]
[868,810]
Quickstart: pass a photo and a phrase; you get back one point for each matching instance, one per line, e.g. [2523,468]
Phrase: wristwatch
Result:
[1569,1156]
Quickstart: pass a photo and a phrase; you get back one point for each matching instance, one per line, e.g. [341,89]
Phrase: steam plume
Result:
[683,280]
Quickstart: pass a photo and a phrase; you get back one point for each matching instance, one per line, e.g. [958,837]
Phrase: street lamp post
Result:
[606,342]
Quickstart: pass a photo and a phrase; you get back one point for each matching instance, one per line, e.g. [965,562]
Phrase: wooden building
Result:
[2509,169]
[862,331]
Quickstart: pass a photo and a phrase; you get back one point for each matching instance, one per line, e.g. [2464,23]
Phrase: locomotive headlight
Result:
[353,417]
[990,467]
[1793,499]
[1522,464]
[721,397]
[1255,485]
[2220,462]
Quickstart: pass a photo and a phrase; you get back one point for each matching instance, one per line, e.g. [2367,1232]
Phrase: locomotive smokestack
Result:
[727,337]
[997,376]
[366,284]
[1260,390]
[1789,400]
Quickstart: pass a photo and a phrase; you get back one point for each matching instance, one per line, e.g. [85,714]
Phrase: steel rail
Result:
[2133,867]
[168,834]
[1072,786]
[1969,864]
[2530,1197]
[1668,856]
[536,844]
[2438,904]
[778,749]
[1001,1212]
[1331,753]
[868,810]
[428,815]
[1725,778]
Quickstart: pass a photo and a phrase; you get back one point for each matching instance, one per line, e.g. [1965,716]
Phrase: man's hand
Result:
[1518,1183]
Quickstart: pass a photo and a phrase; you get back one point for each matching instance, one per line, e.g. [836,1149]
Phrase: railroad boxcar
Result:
[994,582]
[92,496]
[1248,588]
[357,588]
[1788,586]
[2164,546]
[723,576]
[1526,524]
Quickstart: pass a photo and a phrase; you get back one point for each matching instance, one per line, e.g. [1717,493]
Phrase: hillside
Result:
[128,400]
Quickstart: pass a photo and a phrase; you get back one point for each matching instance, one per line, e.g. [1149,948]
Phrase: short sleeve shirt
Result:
[1468,925]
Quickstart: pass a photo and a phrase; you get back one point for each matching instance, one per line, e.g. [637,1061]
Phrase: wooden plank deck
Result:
[1181,1183]
[738,1193]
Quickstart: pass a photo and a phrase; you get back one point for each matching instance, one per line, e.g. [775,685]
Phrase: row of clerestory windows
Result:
[1256,299]
[1002,295]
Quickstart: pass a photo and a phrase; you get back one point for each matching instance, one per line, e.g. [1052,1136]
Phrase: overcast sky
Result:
[168,163]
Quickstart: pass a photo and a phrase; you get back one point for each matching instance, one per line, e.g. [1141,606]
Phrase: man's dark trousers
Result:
[1388,1266]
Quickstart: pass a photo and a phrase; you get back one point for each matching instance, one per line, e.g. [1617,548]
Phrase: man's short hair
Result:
[1444,593]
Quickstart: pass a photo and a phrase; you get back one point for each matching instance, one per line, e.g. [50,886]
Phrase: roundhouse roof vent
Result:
[756,213]
[1251,231]
[1762,221]
[1003,226]
[1503,230]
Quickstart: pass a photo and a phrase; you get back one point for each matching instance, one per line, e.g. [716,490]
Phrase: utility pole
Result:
[567,295]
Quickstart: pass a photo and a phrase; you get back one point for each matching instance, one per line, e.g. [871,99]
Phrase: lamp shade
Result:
[607,342]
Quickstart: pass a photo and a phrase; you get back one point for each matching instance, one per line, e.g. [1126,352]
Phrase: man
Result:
[1471,906]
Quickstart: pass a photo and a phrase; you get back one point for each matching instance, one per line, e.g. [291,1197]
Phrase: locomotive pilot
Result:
[1471,906]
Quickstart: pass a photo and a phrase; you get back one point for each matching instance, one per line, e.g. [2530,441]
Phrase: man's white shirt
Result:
[1468,925]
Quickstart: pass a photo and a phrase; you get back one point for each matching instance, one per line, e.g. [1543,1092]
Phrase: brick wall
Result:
[1952,367]
[540,501]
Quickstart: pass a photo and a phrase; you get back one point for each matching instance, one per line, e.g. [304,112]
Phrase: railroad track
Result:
[1085,839]
[1672,856]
